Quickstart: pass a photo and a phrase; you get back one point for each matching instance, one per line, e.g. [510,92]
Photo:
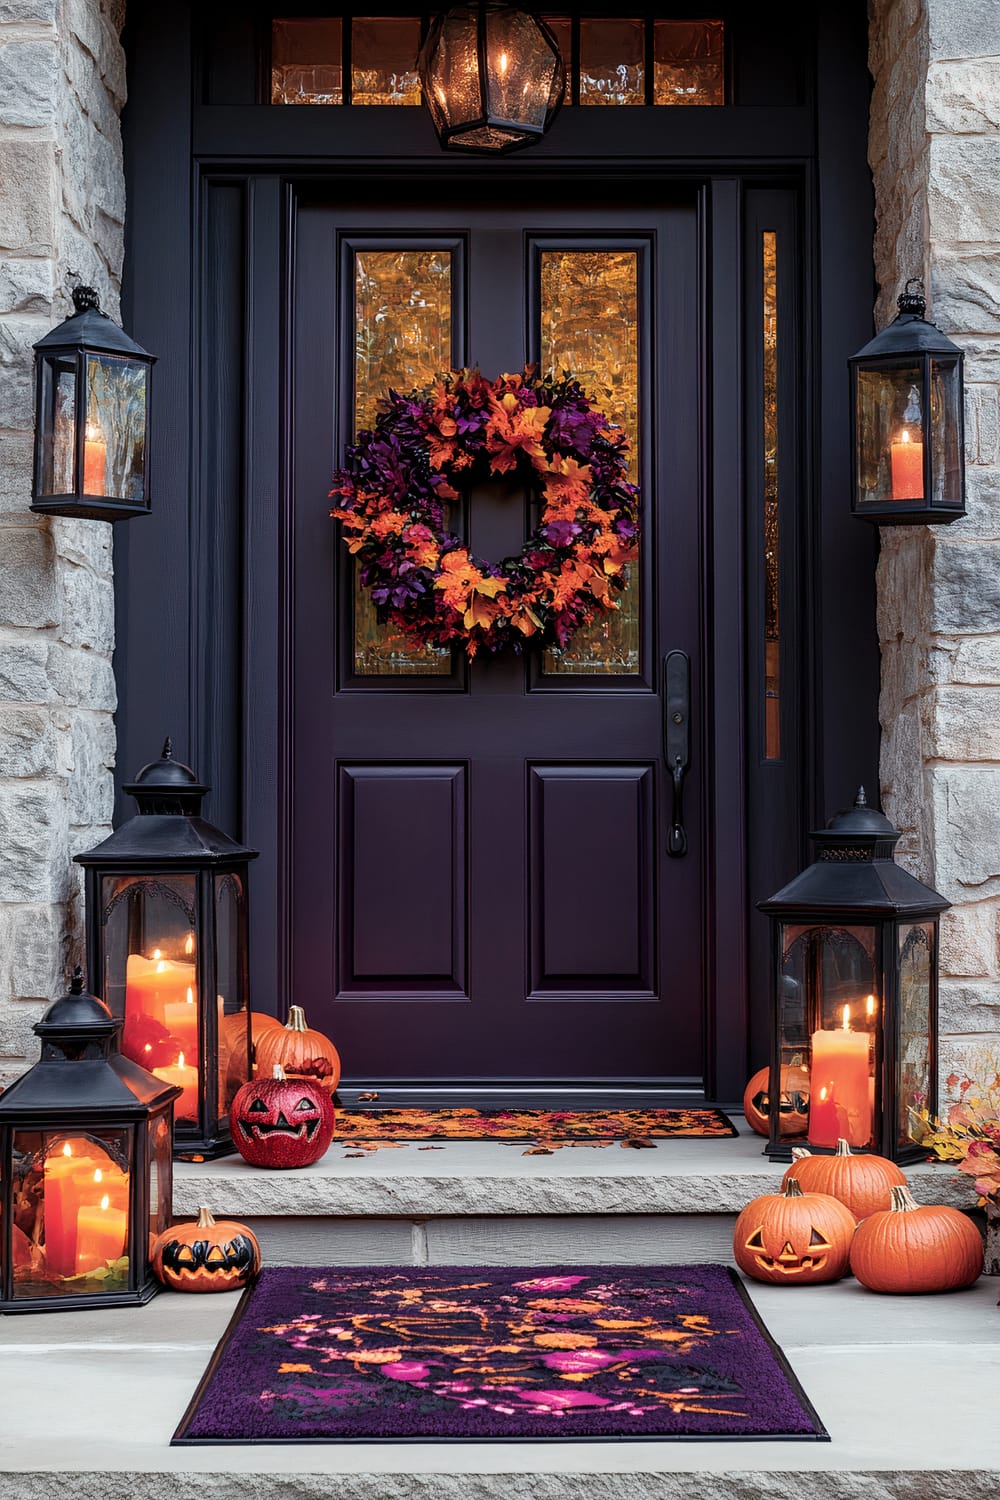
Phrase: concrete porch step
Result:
[486,1202]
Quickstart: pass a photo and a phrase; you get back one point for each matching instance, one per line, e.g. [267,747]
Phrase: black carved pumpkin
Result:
[210,1256]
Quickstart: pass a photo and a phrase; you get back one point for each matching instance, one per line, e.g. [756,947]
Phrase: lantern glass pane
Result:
[612,61]
[114,445]
[306,65]
[561,28]
[946,427]
[890,450]
[384,60]
[71,1224]
[57,423]
[160,1173]
[916,1063]
[150,976]
[234,1020]
[829,1015]
[454,93]
[520,67]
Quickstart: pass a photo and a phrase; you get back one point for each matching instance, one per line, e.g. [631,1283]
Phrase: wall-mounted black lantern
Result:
[91,418]
[907,428]
[167,937]
[492,78]
[854,1007]
[85,1167]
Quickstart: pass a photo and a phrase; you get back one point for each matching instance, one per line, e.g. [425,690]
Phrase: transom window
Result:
[610,60]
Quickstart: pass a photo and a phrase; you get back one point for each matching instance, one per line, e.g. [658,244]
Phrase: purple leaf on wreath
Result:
[561,533]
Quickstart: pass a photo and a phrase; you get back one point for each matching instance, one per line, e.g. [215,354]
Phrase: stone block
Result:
[970,28]
[904,574]
[26,285]
[965,813]
[29,194]
[27,578]
[27,746]
[16,450]
[977,661]
[91,786]
[88,609]
[982,424]
[982,355]
[982,497]
[33,836]
[965,587]
[969,943]
[17,395]
[963,188]
[43,12]
[963,98]
[961,723]
[18,1042]
[37,952]
[79,678]
[86,543]
[965,296]
[24,669]
[29,70]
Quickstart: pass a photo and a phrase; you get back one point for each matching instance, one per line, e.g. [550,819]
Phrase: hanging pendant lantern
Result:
[492,77]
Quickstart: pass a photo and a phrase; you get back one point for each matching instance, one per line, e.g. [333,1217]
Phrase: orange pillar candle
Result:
[841,1065]
[907,459]
[181,1020]
[100,1234]
[185,1077]
[152,983]
[823,1127]
[66,1172]
[95,458]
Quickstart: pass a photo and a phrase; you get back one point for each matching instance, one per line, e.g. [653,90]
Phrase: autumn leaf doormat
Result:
[488,1353]
[541,1125]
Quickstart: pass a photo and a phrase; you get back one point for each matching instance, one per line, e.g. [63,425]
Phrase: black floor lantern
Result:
[167,944]
[91,418]
[492,77]
[854,1007]
[85,1167]
[907,436]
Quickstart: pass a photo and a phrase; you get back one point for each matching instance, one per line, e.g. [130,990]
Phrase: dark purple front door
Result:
[481,884]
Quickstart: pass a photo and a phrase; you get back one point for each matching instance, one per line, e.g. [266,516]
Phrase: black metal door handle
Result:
[677,741]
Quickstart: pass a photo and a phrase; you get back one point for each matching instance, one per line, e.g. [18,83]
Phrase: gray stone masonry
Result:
[935,156]
[62,212]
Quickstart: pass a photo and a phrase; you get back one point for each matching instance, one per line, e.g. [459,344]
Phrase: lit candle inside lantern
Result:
[150,983]
[95,457]
[181,1020]
[907,454]
[185,1077]
[823,1127]
[100,1234]
[62,1201]
[841,1064]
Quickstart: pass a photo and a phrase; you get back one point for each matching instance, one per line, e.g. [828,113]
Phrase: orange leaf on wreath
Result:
[568,481]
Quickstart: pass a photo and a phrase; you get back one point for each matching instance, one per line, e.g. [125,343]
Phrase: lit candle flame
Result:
[157,953]
[189,943]
[190,996]
[67,1149]
[162,966]
[845,1024]
[98,1175]
[870,1006]
[105,1202]
[180,1059]
[823,1093]
[504,62]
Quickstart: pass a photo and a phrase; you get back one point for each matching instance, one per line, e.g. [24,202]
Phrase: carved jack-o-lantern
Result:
[282,1122]
[209,1256]
[793,1106]
[793,1237]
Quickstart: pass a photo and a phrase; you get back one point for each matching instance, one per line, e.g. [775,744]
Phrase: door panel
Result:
[495,834]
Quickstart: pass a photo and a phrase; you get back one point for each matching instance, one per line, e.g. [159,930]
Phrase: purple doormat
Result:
[477,1353]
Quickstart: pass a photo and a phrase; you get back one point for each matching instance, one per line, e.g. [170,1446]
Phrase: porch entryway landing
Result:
[905,1386]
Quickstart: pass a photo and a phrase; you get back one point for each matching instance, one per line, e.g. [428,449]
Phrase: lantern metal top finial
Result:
[861,799]
[167,785]
[913,303]
[85,299]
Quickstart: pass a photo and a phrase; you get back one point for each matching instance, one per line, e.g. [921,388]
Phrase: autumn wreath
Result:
[398,481]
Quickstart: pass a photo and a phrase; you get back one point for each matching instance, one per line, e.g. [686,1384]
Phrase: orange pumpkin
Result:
[863,1183]
[301,1052]
[793,1237]
[911,1247]
[233,1041]
[209,1256]
[793,1105]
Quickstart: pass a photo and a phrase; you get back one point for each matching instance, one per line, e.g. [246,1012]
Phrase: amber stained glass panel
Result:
[306,62]
[688,62]
[772,575]
[402,339]
[590,325]
[384,60]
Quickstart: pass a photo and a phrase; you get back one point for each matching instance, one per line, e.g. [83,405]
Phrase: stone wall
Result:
[935,157]
[62,207]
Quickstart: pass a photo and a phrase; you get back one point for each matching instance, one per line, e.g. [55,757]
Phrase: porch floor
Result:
[906,1386]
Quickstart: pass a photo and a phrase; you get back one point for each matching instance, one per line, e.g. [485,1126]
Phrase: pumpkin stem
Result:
[843,1148]
[296,1019]
[793,1188]
[205,1220]
[799,1153]
[903,1201]
[278,1072]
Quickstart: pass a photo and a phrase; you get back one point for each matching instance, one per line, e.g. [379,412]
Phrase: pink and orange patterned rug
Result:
[486,1353]
[547,1128]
